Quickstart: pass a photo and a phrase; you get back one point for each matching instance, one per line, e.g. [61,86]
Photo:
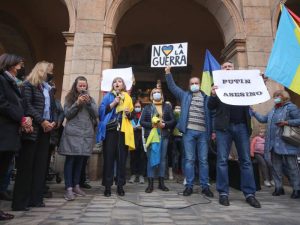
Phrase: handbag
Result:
[112,124]
[291,135]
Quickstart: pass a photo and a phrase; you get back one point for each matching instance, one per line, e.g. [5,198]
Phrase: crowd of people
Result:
[31,128]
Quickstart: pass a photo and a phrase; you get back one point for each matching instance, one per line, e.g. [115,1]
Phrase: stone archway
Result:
[225,11]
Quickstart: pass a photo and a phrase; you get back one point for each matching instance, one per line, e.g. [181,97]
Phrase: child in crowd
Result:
[257,152]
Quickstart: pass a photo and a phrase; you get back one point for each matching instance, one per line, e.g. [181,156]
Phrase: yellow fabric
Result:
[158,106]
[126,128]
[153,137]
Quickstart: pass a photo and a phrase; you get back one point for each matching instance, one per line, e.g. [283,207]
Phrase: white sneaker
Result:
[272,182]
[141,179]
[69,195]
[171,173]
[267,183]
[184,181]
[132,179]
[78,191]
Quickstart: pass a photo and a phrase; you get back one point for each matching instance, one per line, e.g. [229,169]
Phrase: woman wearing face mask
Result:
[116,132]
[11,121]
[78,136]
[283,154]
[137,157]
[32,160]
[166,122]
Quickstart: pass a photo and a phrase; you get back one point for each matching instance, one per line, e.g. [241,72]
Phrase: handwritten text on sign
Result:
[240,87]
[174,55]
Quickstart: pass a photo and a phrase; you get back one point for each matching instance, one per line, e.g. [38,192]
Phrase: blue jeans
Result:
[163,156]
[285,164]
[196,141]
[72,170]
[239,134]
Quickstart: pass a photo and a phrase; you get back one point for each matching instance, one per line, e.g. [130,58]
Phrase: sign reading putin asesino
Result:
[240,87]
[174,55]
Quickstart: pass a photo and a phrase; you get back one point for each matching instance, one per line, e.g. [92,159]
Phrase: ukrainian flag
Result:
[284,61]
[210,64]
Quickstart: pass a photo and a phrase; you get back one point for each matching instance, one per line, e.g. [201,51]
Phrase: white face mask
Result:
[195,88]
[157,96]
[137,109]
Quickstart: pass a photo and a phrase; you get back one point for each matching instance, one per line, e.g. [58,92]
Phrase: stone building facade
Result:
[84,37]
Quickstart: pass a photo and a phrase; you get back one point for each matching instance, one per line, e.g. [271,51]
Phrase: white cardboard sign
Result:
[240,87]
[174,55]
[110,74]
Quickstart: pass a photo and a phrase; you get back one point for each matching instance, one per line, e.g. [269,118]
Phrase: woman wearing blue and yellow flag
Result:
[116,132]
[157,120]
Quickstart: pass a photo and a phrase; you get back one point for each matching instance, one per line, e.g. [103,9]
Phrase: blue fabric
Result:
[162,165]
[46,89]
[284,59]
[195,143]
[210,63]
[104,118]
[289,112]
[155,154]
[239,134]
[185,98]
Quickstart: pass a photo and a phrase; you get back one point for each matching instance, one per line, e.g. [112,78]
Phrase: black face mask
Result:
[49,77]
[21,73]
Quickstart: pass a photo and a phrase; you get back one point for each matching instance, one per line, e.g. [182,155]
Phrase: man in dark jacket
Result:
[233,123]
[195,124]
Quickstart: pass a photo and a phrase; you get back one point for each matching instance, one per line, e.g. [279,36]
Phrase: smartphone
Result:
[83,92]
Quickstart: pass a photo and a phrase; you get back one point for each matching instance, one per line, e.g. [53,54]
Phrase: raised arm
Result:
[173,88]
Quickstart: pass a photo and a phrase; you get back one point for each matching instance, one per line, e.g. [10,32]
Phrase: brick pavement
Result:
[97,209]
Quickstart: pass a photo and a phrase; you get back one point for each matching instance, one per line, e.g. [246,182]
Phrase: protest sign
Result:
[174,55]
[110,74]
[240,87]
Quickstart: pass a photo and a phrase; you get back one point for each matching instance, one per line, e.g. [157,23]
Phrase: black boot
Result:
[161,185]
[278,191]
[149,189]
[107,191]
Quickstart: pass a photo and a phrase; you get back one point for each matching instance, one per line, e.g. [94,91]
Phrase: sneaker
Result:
[272,182]
[78,191]
[223,200]
[184,181]
[267,183]
[69,195]
[85,186]
[171,173]
[132,179]
[141,179]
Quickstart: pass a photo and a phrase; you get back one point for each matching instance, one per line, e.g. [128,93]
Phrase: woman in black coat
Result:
[32,161]
[11,115]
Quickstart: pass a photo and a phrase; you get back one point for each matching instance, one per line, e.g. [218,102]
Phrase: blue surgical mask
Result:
[195,88]
[277,100]
[137,109]
[157,96]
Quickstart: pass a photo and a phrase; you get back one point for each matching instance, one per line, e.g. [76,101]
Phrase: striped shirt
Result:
[196,118]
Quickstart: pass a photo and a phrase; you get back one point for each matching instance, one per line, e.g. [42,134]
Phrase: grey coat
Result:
[79,132]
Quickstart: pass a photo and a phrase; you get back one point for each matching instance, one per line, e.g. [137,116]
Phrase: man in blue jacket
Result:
[195,124]
[232,123]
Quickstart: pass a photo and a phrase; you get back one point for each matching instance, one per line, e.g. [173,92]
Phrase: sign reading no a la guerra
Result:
[173,55]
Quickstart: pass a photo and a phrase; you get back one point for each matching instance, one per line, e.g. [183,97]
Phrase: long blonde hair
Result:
[38,74]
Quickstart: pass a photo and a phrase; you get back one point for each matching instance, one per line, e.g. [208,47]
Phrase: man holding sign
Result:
[233,123]
[195,124]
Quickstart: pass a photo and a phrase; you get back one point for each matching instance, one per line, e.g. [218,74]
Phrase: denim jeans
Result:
[289,165]
[72,170]
[196,141]
[163,156]
[239,134]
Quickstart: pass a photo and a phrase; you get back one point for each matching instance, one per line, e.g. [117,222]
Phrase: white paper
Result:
[240,87]
[174,55]
[110,74]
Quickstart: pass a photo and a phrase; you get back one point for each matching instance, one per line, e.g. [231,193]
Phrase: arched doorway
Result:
[33,29]
[153,22]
